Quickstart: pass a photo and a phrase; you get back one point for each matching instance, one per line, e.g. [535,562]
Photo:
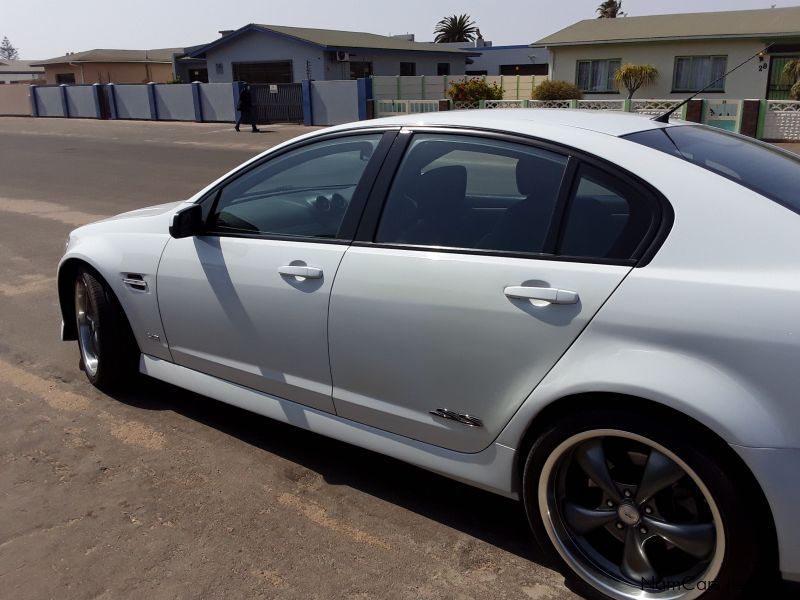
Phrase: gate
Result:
[778,88]
[277,102]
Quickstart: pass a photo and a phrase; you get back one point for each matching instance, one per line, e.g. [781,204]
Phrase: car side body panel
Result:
[125,245]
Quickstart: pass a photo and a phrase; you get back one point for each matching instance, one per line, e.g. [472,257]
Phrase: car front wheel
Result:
[639,507]
[107,348]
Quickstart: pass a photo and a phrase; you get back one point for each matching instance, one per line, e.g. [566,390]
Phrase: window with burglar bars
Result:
[693,73]
[597,76]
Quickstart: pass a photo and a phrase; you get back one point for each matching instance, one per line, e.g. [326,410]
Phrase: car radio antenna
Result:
[664,118]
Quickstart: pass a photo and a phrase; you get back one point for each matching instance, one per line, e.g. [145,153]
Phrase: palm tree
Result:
[635,76]
[610,9]
[458,28]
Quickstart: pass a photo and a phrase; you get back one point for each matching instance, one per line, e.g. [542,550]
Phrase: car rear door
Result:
[247,301]
[453,302]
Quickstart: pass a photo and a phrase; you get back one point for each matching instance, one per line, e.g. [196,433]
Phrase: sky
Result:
[48,28]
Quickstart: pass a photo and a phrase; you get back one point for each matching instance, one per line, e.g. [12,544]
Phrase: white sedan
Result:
[597,314]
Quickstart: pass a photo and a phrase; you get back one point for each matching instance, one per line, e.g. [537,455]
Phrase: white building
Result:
[20,71]
[689,50]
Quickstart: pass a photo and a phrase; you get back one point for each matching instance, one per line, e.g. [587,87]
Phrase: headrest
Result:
[537,175]
[441,187]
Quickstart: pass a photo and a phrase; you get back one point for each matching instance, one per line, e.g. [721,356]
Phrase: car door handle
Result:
[551,295]
[300,271]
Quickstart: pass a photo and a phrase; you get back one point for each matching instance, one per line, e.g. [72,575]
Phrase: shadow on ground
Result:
[493,519]
[488,517]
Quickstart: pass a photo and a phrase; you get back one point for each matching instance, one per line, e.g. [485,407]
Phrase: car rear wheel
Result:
[639,508]
[107,348]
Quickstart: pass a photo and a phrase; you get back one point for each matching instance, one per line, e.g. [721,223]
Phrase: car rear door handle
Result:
[300,271]
[551,295]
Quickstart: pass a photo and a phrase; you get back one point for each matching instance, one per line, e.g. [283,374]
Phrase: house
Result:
[690,51]
[281,54]
[20,71]
[111,66]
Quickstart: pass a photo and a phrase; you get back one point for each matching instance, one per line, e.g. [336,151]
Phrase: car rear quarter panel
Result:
[710,327]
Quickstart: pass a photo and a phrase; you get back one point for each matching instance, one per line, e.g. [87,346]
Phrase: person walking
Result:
[245,108]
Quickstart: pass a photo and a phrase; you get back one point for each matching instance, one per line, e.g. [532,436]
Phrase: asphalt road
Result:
[160,493]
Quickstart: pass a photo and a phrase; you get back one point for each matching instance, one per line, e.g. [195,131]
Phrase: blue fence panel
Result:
[81,101]
[132,101]
[174,102]
[49,101]
[216,101]
[334,102]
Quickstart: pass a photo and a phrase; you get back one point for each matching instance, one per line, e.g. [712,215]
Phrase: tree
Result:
[632,77]
[458,28]
[610,9]
[7,50]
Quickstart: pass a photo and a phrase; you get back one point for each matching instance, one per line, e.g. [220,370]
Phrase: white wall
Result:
[747,82]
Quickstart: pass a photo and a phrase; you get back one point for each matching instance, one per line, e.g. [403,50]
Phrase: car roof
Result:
[526,120]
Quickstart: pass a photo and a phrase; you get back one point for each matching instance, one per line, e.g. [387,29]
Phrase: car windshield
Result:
[763,168]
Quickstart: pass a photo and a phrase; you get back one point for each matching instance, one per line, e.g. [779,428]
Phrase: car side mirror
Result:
[187,222]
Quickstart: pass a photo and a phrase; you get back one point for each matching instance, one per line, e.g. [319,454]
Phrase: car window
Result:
[477,193]
[605,218]
[304,192]
[765,169]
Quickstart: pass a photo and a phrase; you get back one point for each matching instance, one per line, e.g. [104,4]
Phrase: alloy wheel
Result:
[630,517]
[87,321]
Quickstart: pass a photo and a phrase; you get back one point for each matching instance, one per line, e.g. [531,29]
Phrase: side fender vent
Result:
[135,281]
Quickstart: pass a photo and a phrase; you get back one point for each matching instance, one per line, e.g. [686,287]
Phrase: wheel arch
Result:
[66,276]
[67,271]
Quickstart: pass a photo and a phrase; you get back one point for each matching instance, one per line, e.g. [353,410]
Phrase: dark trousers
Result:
[247,116]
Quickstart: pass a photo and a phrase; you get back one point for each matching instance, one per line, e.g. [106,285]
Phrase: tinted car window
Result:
[461,192]
[756,165]
[304,192]
[605,218]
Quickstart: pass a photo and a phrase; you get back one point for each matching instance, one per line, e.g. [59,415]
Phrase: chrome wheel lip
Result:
[86,318]
[604,582]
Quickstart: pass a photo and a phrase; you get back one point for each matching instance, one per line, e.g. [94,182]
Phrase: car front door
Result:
[247,301]
[456,298]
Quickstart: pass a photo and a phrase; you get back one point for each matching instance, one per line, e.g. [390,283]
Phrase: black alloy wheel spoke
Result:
[592,458]
[583,520]
[660,472]
[695,539]
[635,563]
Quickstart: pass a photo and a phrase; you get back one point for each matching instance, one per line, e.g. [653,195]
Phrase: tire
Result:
[598,532]
[108,350]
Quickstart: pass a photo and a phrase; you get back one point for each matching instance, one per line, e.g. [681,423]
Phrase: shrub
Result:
[473,90]
[794,93]
[556,90]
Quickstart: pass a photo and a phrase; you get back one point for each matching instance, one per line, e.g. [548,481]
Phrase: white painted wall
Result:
[747,82]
